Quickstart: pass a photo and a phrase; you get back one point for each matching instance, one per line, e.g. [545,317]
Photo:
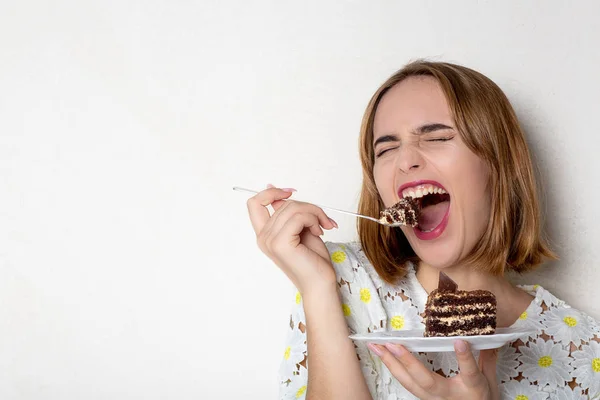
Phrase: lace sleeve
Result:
[293,372]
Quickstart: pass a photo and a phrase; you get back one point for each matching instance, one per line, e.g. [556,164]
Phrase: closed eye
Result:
[385,151]
[439,139]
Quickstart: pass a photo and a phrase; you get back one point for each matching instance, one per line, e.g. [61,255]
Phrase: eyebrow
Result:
[423,129]
[386,139]
[428,128]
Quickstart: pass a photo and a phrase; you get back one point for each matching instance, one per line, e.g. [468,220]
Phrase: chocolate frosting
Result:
[446,284]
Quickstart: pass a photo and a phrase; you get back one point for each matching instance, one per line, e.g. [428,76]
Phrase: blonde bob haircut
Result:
[488,125]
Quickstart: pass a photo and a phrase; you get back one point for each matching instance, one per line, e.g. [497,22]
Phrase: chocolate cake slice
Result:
[404,212]
[452,312]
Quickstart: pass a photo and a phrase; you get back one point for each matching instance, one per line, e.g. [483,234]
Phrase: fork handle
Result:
[241,189]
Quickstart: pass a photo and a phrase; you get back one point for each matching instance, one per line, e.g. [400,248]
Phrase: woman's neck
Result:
[511,301]
[466,278]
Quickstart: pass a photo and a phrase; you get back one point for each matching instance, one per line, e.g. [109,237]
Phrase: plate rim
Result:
[438,344]
[377,336]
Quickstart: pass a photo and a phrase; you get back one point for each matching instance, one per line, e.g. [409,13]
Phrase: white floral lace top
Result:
[560,361]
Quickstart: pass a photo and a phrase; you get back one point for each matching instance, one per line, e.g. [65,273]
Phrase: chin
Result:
[441,252]
[438,263]
[435,255]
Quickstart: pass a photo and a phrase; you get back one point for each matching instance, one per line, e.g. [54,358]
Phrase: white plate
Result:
[414,340]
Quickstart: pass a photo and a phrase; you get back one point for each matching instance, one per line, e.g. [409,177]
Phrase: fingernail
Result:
[290,190]
[398,351]
[375,349]
[334,223]
[460,346]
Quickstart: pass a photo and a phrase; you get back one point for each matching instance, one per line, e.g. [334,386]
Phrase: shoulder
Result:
[562,344]
[347,258]
[353,268]
[551,308]
[352,265]
[555,318]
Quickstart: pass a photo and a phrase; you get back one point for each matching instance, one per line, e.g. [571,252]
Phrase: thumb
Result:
[278,203]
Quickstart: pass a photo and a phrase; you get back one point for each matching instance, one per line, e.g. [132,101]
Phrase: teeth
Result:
[423,190]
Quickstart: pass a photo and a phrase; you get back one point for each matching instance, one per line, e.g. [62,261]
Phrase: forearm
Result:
[334,370]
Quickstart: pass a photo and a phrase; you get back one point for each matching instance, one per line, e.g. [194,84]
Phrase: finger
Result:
[302,207]
[398,370]
[429,381]
[271,229]
[257,206]
[324,220]
[278,203]
[469,371]
[487,364]
[270,186]
[292,228]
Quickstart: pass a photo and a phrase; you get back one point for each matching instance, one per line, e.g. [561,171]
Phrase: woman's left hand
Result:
[476,381]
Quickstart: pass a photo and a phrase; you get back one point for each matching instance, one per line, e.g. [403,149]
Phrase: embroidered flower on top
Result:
[506,367]
[366,298]
[297,388]
[400,392]
[342,263]
[403,316]
[522,390]
[548,298]
[567,325]
[357,321]
[566,393]
[444,361]
[293,354]
[545,363]
[531,321]
[587,367]
[389,292]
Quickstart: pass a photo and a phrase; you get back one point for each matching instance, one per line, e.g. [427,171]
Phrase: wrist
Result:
[322,297]
[320,291]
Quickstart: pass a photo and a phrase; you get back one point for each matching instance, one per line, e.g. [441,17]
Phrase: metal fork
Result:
[395,224]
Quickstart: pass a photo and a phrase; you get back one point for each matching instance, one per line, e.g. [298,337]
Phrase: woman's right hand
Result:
[291,238]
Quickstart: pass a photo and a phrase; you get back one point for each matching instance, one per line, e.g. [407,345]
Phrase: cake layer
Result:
[477,326]
[462,323]
[449,308]
[488,330]
[460,297]
[467,315]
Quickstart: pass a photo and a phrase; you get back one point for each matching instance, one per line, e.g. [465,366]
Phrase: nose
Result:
[409,159]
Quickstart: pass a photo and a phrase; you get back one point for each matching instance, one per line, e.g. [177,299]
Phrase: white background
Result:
[128,267]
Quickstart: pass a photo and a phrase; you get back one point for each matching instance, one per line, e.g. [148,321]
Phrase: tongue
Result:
[431,216]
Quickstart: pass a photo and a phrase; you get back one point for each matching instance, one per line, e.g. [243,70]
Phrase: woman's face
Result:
[419,153]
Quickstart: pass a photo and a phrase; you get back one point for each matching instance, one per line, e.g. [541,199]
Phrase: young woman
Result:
[448,134]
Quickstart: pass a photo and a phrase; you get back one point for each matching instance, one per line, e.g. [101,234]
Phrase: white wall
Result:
[128,267]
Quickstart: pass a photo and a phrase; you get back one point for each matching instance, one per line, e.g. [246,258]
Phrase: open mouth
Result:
[434,203]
